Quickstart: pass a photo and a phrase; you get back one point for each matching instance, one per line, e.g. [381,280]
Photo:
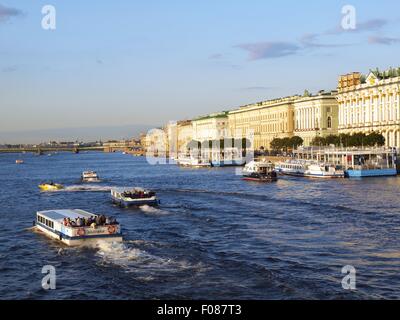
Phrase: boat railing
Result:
[97,226]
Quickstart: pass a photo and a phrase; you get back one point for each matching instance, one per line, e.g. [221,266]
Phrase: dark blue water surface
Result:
[214,236]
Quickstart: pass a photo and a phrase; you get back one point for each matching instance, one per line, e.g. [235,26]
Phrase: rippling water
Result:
[214,236]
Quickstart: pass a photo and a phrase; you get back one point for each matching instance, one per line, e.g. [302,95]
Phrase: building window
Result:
[329,123]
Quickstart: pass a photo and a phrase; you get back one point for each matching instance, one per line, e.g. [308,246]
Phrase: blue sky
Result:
[112,63]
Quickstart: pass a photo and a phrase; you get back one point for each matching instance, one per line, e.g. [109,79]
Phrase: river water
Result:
[214,236]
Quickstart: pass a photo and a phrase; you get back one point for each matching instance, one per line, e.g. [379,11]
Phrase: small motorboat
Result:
[90,176]
[19,161]
[133,197]
[50,186]
[75,227]
[260,172]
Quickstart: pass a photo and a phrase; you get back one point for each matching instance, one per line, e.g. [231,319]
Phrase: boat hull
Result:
[78,241]
[45,187]
[292,173]
[136,203]
[371,173]
[228,163]
[259,179]
[90,180]
[312,174]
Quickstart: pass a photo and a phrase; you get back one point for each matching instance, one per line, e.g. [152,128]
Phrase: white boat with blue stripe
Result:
[61,225]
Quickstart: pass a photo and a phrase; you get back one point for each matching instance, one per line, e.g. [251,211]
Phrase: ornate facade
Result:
[211,127]
[370,105]
[316,116]
[265,120]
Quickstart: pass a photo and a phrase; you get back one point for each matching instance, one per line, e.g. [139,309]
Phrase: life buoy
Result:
[80,232]
[111,229]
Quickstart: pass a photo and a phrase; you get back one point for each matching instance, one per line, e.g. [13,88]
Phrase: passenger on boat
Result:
[79,222]
[92,222]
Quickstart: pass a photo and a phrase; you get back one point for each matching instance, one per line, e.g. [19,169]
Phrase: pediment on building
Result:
[372,79]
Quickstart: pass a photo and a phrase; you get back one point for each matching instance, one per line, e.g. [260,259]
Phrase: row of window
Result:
[272,116]
[308,124]
[267,128]
[350,117]
[45,221]
[373,100]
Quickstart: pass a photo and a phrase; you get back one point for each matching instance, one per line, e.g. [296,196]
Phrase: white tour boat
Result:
[90,176]
[292,167]
[76,227]
[309,168]
[259,171]
[133,197]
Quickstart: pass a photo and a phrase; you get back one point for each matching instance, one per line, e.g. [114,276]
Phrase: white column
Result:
[398,106]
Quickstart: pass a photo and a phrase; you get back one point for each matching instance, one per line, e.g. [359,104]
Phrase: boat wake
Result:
[152,210]
[86,188]
[145,265]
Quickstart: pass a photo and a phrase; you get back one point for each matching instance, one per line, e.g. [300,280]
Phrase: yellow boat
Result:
[50,186]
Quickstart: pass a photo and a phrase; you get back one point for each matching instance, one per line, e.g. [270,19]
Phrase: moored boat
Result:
[292,167]
[19,161]
[259,171]
[90,176]
[311,169]
[76,227]
[193,162]
[50,186]
[324,170]
[356,162]
[133,197]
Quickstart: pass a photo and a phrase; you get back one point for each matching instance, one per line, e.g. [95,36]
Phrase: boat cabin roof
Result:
[260,164]
[59,215]
[122,190]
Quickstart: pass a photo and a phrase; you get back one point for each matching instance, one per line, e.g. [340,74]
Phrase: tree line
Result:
[351,140]
[341,140]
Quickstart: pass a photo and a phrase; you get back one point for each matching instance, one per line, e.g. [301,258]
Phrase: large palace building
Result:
[371,103]
[315,116]
[265,120]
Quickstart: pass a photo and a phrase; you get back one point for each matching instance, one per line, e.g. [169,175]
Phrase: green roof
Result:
[222,114]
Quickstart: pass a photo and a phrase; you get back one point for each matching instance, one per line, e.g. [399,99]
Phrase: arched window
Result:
[329,123]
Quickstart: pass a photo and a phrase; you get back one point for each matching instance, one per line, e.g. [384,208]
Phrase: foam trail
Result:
[140,262]
[152,210]
[86,188]
[120,254]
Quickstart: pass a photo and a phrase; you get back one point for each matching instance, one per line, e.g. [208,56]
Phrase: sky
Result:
[143,63]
